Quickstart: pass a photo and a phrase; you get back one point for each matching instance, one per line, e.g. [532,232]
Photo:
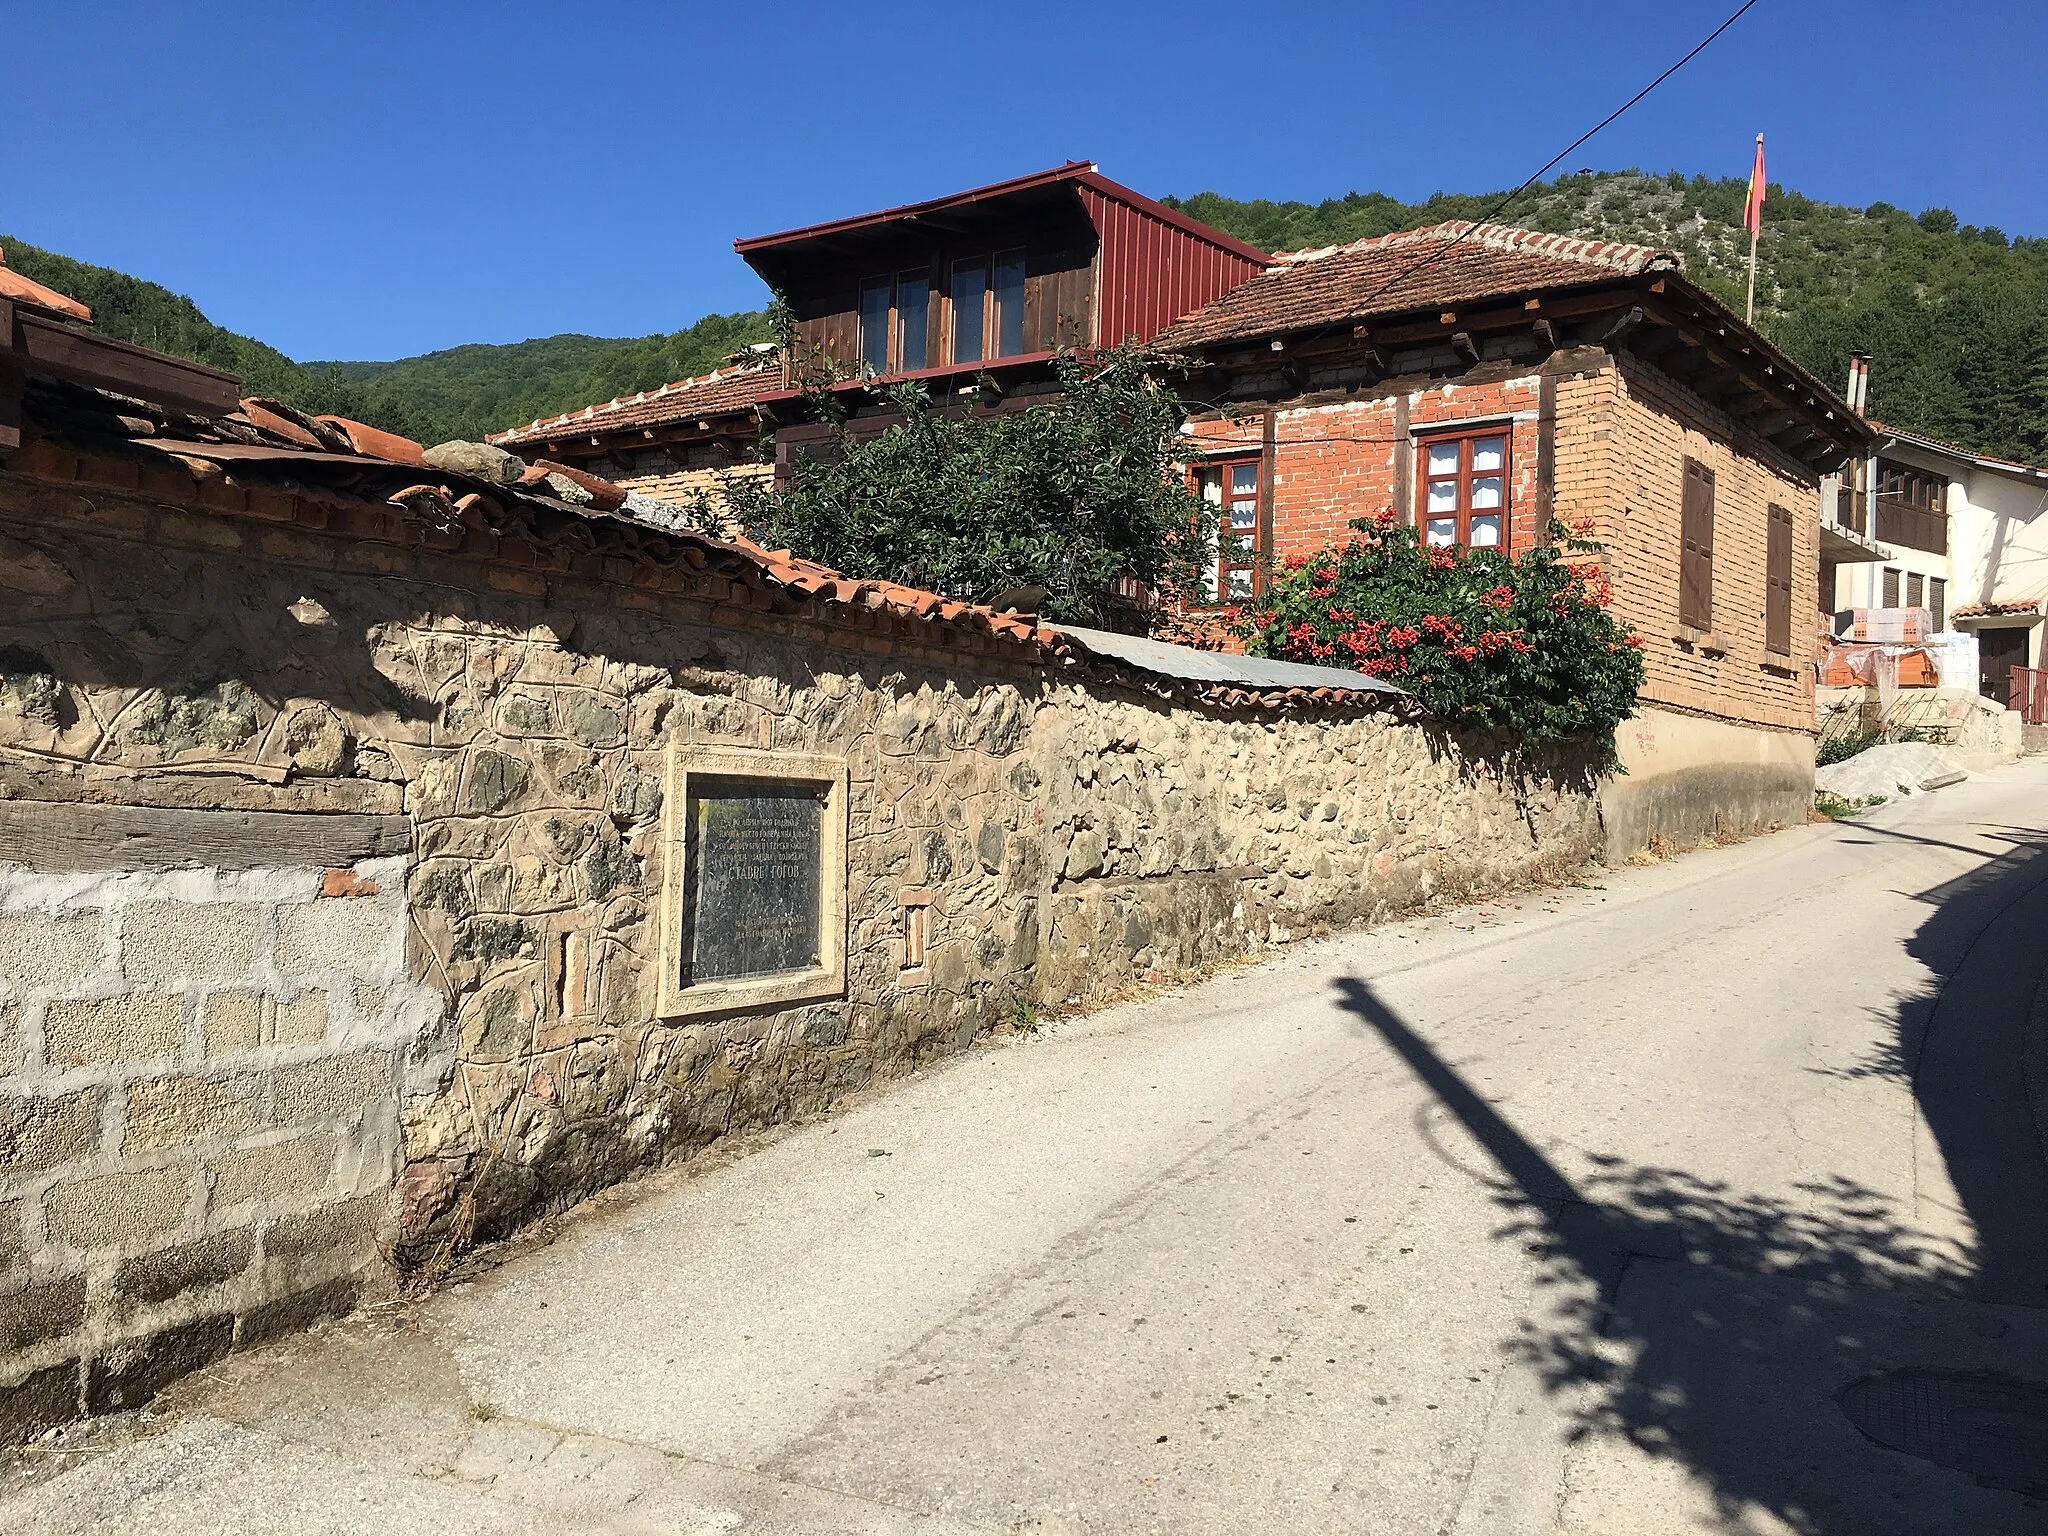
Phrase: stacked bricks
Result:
[1339,461]
[1623,436]
[199,1076]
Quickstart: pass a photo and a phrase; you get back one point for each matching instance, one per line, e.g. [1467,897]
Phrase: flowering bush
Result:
[1522,645]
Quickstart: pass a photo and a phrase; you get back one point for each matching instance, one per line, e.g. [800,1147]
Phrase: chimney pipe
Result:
[1859,383]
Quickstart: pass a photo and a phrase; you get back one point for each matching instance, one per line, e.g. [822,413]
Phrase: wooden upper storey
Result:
[1003,274]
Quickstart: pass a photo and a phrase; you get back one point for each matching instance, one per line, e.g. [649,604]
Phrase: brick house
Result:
[1483,381]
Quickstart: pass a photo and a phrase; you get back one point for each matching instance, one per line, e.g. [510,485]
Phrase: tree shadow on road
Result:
[1718,1328]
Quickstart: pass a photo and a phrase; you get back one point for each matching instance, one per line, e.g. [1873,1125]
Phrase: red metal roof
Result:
[1443,264]
[1081,172]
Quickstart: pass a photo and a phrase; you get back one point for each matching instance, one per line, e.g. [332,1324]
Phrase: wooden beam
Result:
[60,836]
[1622,324]
[43,345]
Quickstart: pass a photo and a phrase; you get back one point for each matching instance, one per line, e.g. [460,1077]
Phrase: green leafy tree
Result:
[1523,645]
[1076,496]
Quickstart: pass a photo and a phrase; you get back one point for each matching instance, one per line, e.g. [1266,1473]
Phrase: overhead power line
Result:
[1543,170]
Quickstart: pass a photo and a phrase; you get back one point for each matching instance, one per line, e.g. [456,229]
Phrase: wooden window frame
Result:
[953,310]
[1223,465]
[860,309]
[993,335]
[1778,581]
[897,362]
[1465,437]
[1696,550]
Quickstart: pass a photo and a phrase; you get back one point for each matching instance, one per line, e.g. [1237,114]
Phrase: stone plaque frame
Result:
[826,979]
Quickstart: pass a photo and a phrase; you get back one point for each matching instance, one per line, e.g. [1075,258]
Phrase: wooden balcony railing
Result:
[1900,522]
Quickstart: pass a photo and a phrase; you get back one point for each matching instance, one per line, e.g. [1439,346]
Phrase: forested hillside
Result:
[470,391]
[462,392]
[1955,317]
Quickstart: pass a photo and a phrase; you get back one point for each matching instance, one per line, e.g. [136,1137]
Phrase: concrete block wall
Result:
[200,1074]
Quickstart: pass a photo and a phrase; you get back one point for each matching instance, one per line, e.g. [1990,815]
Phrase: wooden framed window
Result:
[970,310]
[1891,588]
[1007,330]
[1696,549]
[913,311]
[1778,583]
[1462,497]
[1937,602]
[1232,490]
[894,322]
[874,323]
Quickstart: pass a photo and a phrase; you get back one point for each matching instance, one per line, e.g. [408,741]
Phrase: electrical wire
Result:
[1444,250]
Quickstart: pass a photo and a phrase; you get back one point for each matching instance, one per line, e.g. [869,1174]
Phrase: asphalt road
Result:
[1584,1214]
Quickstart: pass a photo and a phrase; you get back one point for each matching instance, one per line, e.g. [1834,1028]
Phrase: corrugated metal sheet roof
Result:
[1217,667]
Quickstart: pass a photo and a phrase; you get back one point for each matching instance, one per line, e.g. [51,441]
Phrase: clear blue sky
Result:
[374,180]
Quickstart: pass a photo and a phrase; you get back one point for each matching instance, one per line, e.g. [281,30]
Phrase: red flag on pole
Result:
[1753,215]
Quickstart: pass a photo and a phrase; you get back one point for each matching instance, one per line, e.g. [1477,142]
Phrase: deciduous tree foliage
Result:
[1072,494]
[1523,645]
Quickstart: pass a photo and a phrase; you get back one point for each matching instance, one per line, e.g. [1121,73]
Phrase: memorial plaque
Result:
[754,856]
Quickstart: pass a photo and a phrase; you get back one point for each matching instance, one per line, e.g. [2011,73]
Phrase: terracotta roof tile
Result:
[723,392]
[1443,264]
[1997,607]
[375,443]
[26,290]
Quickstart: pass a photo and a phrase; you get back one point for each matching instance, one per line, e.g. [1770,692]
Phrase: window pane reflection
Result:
[1486,531]
[1009,304]
[1486,452]
[874,323]
[970,283]
[913,304]
[1442,531]
[1486,492]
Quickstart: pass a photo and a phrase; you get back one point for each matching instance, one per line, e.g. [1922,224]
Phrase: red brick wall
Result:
[1337,462]
[1620,442]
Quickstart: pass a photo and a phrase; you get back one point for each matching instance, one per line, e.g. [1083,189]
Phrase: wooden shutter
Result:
[1696,554]
[1891,588]
[1778,583]
[1937,600]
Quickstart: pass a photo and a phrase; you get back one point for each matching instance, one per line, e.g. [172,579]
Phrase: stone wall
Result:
[1067,830]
